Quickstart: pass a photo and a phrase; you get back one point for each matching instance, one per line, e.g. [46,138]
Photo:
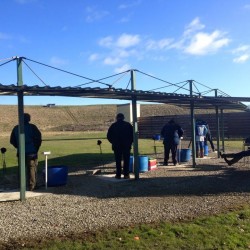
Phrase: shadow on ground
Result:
[208,178]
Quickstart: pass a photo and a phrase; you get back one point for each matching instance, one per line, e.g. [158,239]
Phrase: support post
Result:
[217,127]
[192,124]
[135,127]
[222,130]
[21,135]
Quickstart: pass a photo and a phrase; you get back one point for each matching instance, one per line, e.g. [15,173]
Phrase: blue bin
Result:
[184,155]
[131,164]
[157,137]
[57,176]
[143,164]
[206,150]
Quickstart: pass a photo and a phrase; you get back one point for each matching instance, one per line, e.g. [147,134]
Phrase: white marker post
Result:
[46,167]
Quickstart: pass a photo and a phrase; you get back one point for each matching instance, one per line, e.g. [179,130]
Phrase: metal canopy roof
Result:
[183,100]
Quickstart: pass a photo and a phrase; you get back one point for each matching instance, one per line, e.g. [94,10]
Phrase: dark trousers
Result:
[122,154]
[31,163]
[237,156]
[173,149]
[211,143]
[31,169]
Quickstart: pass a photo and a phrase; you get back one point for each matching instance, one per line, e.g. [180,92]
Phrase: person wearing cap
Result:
[171,132]
[120,135]
[33,141]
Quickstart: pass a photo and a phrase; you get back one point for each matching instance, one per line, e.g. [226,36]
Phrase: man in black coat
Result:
[120,135]
[33,140]
[171,133]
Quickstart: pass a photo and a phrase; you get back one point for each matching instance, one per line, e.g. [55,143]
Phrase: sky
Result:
[173,40]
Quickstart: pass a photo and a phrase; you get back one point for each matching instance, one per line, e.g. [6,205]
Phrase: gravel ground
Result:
[89,203]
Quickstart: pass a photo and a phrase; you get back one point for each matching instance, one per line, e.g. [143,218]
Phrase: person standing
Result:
[33,141]
[208,137]
[120,135]
[171,132]
[200,135]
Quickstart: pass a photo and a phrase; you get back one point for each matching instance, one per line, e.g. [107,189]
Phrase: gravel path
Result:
[89,203]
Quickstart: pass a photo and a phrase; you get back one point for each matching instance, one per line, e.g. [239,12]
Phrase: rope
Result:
[35,74]
[7,62]
[65,71]
[203,85]
[160,80]
[103,79]
[128,83]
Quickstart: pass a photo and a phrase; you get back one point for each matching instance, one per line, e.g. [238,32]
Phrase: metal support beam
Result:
[21,135]
[222,130]
[217,127]
[135,127]
[192,124]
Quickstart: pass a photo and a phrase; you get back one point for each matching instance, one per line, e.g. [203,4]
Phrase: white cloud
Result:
[195,41]
[93,57]
[56,61]
[205,43]
[242,54]
[127,40]
[194,26]
[241,48]
[94,14]
[123,68]
[111,60]
[123,41]
[130,5]
[242,59]
[106,42]
[158,45]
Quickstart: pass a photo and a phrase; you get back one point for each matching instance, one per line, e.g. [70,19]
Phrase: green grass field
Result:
[72,149]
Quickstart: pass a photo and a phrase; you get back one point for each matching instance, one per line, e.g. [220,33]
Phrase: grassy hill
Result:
[78,118]
[59,118]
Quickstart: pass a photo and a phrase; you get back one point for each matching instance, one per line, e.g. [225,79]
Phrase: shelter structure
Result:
[192,100]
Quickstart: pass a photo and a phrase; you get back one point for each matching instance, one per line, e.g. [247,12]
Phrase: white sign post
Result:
[46,167]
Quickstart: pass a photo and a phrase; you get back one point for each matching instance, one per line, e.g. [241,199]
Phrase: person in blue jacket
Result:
[33,140]
[171,132]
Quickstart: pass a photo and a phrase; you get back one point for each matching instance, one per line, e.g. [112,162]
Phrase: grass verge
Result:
[224,231]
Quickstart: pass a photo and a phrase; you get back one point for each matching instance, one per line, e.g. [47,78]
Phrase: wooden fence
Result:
[236,125]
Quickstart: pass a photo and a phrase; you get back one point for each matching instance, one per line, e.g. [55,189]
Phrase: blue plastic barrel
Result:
[184,155]
[206,150]
[157,137]
[57,176]
[131,164]
[143,164]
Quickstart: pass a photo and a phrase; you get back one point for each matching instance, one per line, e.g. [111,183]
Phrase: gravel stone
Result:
[88,203]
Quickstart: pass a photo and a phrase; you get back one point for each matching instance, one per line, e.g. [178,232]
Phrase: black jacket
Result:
[120,135]
[171,133]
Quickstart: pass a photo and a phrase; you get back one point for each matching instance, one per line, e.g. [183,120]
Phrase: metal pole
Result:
[192,124]
[135,127]
[217,127]
[46,168]
[222,131]
[21,135]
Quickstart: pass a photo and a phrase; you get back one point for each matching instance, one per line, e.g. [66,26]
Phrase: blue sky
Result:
[174,40]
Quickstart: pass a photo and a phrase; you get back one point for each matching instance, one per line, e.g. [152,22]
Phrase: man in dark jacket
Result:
[120,135]
[171,133]
[33,140]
